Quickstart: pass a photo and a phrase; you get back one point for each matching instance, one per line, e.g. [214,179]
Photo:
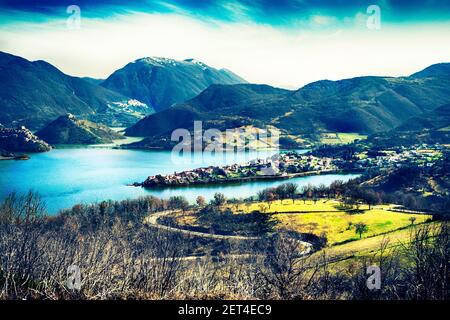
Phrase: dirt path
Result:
[153,221]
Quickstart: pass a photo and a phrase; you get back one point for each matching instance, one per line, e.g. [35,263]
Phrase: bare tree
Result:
[284,271]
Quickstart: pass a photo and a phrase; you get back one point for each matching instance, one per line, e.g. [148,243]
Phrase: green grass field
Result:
[346,256]
[327,218]
[291,206]
[341,138]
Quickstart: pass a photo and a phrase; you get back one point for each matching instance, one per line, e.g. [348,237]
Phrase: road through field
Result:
[152,220]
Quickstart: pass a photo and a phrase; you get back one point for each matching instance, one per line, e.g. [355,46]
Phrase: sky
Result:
[284,43]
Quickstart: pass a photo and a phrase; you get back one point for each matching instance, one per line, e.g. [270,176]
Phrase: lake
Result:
[64,177]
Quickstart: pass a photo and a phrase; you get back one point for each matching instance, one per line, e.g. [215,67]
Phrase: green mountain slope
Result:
[363,105]
[35,93]
[219,106]
[430,127]
[69,130]
[435,70]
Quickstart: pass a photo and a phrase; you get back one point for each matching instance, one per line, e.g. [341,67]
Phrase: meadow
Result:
[341,137]
[330,219]
[367,247]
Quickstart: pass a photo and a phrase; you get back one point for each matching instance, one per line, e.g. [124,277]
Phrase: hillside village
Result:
[291,164]
[419,155]
[21,139]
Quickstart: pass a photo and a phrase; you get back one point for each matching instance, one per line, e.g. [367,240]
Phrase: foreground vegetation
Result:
[121,258]
[314,242]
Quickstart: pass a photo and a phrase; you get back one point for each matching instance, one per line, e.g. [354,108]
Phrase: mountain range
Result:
[363,105]
[34,93]
[161,82]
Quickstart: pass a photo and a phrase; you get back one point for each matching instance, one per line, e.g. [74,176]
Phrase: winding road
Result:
[152,220]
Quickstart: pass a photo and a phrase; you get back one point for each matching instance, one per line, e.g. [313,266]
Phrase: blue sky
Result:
[274,12]
[284,43]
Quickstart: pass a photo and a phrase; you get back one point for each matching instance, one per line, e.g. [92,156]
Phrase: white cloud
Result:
[259,53]
[322,21]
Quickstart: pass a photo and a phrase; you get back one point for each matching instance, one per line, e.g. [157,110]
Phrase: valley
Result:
[355,172]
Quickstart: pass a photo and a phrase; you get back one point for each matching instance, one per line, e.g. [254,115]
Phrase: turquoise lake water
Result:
[65,177]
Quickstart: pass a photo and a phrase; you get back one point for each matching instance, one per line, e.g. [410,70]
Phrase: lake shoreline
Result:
[66,177]
[240,180]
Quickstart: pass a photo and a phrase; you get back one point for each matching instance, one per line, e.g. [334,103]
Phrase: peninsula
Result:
[280,166]
[291,164]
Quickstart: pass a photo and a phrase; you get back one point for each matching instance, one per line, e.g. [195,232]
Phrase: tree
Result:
[262,195]
[178,202]
[291,190]
[200,201]
[370,197]
[410,201]
[281,192]
[271,197]
[361,228]
[353,195]
[248,205]
[336,188]
[412,219]
[260,223]
[321,190]
[282,272]
[427,278]
[308,191]
[262,207]
[219,199]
